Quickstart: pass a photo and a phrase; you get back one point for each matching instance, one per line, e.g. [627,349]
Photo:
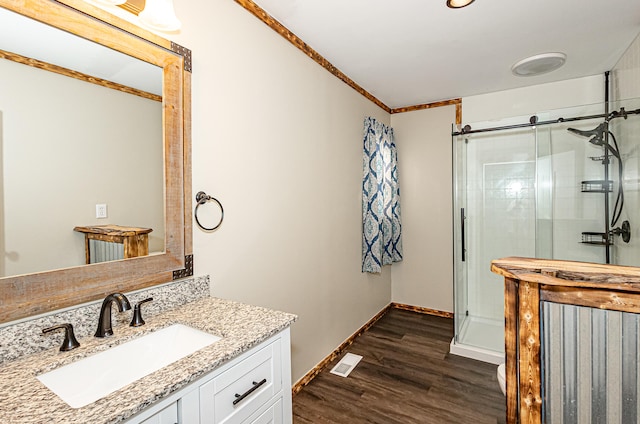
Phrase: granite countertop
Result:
[25,399]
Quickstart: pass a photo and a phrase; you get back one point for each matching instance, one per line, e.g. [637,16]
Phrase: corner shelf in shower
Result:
[600,239]
[597,186]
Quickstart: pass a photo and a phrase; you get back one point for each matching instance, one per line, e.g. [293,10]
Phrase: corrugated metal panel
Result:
[104,251]
[589,365]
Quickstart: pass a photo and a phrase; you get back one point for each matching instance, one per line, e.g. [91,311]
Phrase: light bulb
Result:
[457,4]
[108,2]
[159,15]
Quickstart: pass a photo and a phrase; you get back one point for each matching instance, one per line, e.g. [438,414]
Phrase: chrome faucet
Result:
[104,322]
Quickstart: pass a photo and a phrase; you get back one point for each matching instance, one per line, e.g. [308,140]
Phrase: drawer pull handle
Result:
[240,398]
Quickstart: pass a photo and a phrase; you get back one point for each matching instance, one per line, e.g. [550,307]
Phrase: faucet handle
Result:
[70,342]
[137,320]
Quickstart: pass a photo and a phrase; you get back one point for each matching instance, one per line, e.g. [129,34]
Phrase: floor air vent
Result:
[346,365]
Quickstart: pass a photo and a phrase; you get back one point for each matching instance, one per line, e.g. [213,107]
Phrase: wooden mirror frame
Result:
[32,294]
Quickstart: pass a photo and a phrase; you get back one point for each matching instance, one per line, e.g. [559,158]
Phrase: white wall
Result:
[2,183]
[529,100]
[424,277]
[278,140]
[499,210]
[625,76]
[68,156]
[489,238]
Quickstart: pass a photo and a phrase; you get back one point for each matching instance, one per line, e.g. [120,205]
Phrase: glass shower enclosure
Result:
[560,184]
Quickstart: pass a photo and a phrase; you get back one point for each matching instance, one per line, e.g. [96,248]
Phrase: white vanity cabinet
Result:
[253,388]
[168,415]
[237,393]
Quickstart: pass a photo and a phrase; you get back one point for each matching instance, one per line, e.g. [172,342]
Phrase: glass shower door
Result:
[496,210]
[459,204]
[540,190]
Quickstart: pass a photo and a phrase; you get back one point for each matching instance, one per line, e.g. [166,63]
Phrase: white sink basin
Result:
[94,377]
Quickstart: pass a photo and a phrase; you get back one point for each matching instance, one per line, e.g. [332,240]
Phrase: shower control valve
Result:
[624,231]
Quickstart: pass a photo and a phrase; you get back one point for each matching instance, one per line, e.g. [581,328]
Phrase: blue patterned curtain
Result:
[381,227]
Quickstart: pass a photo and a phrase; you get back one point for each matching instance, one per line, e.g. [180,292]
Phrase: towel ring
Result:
[203,198]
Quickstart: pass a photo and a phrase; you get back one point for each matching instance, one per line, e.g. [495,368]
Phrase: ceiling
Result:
[53,46]
[410,52]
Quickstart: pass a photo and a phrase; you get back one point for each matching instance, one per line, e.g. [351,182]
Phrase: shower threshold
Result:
[481,339]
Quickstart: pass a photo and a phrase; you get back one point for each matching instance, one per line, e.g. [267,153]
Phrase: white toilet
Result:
[501,377]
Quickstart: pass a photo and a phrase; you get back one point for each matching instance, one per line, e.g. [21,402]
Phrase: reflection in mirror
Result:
[69,144]
[114,166]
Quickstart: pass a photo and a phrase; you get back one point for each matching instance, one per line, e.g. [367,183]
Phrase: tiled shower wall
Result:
[500,213]
[625,82]
[567,162]
[524,198]
[627,133]
[625,76]
[590,356]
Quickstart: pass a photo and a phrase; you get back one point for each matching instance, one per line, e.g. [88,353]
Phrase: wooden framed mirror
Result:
[32,293]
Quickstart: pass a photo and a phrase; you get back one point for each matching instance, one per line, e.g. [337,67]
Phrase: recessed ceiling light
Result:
[457,4]
[538,64]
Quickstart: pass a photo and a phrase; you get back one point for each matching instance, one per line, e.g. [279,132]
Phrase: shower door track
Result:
[533,121]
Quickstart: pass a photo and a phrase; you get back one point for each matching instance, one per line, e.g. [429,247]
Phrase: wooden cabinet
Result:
[100,239]
[254,388]
[564,318]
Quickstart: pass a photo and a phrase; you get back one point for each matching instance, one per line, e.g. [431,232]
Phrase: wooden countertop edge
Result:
[569,273]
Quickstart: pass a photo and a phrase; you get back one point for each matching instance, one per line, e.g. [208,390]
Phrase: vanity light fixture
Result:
[159,15]
[458,4]
[110,2]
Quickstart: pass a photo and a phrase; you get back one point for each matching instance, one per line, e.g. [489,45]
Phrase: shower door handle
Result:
[464,249]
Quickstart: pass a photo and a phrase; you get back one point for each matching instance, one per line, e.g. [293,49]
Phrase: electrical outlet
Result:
[101,210]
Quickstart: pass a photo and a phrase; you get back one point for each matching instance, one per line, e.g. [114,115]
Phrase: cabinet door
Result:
[189,408]
[273,415]
[240,391]
[168,415]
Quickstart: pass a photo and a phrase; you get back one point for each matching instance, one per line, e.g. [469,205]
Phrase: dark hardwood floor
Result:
[406,375]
